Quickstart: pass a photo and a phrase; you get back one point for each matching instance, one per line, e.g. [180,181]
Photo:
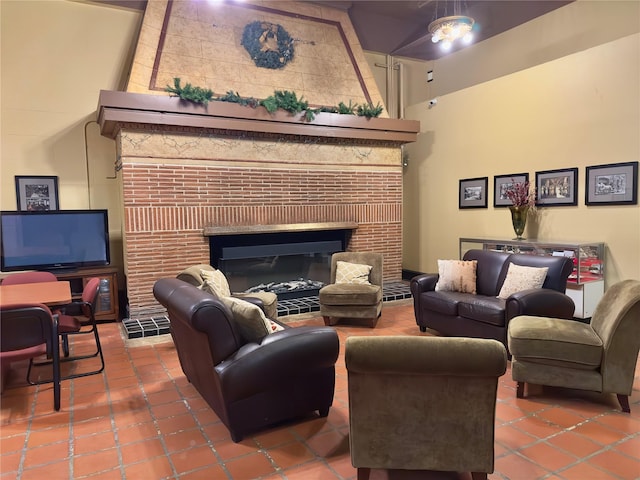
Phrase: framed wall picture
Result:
[502,183]
[613,184]
[37,193]
[473,193]
[557,188]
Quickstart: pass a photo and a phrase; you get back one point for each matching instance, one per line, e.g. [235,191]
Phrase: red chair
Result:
[28,331]
[29,277]
[78,318]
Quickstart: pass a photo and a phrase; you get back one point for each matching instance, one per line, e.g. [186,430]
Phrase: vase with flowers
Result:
[523,200]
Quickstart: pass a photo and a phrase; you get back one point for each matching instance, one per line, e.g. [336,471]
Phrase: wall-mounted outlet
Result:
[430,76]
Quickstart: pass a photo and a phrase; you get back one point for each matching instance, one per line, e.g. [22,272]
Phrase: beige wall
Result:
[56,56]
[579,110]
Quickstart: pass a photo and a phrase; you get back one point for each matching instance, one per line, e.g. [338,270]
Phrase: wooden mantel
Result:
[211,231]
[118,108]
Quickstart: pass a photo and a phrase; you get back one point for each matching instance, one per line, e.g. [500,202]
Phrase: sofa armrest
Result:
[423,283]
[278,358]
[419,284]
[540,302]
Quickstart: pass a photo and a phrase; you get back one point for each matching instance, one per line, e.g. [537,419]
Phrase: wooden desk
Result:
[49,293]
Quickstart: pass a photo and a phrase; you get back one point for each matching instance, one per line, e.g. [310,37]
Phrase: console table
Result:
[585,285]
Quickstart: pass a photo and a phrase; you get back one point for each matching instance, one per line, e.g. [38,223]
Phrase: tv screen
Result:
[54,240]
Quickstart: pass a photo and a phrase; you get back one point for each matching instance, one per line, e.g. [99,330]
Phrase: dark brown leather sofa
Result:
[288,374]
[483,315]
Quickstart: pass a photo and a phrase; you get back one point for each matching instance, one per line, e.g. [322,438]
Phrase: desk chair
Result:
[27,332]
[78,318]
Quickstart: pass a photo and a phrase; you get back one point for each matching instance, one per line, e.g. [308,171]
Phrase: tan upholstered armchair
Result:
[355,294]
[268,301]
[423,403]
[600,356]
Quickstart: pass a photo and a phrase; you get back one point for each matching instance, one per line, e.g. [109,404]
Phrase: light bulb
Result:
[468,38]
[446,45]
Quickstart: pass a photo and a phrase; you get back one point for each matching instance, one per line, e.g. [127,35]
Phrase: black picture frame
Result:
[37,193]
[500,185]
[557,188]
[612,184]
[472,192]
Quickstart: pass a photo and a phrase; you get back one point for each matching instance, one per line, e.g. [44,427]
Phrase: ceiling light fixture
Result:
[448,29]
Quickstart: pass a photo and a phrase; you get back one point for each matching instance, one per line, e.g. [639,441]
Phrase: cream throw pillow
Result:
[250,318]
[352,273]
[457,276]
[522,278]
[216,283]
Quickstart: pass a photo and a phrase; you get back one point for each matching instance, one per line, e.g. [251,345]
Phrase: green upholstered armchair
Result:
[600,356]
[353,300]
[423,403]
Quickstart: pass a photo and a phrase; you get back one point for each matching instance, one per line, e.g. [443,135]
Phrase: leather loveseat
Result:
[483,314]
[250,384]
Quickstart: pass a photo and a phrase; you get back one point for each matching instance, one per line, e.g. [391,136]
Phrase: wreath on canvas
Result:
[268,44]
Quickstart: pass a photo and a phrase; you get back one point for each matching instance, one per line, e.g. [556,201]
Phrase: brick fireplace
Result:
[188,170]
[184,174]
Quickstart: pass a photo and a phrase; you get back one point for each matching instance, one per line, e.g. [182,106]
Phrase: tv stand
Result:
[107,306]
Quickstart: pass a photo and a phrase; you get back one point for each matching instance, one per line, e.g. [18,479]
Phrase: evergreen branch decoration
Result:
[280,100]
[347,109]
[368,110]
[234,97]
[285,100]
[190,93]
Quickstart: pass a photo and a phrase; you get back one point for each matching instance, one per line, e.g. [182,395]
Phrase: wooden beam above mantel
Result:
[212,231]
[123,108]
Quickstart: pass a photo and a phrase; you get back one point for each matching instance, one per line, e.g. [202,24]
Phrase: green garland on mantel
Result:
[281,99]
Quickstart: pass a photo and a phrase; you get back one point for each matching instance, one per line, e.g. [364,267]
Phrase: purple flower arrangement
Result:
[521,194]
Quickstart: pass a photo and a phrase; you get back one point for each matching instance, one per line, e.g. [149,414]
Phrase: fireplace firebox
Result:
[289,264]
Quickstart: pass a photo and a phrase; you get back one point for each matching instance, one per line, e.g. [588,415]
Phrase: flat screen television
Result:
[54,240]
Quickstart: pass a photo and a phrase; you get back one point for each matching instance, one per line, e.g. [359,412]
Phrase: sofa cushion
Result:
[350,294]
[483,309]
[250,319]
[215,283]
[445,303]
[352,273]
[521,278]
[457,276]
[553,341]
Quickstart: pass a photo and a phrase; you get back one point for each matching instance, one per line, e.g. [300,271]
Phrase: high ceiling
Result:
[399,27]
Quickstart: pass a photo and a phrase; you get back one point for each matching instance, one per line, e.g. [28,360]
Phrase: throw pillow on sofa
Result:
[250,318]
[352,273]
[457,276]
[215,283]
[521,278]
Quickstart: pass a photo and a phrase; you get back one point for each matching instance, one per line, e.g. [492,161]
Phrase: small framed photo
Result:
[37,193]
[473,193]
[613,184]
[502,183]
[557,188]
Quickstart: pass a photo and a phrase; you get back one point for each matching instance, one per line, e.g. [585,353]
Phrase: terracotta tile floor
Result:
[143,420]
